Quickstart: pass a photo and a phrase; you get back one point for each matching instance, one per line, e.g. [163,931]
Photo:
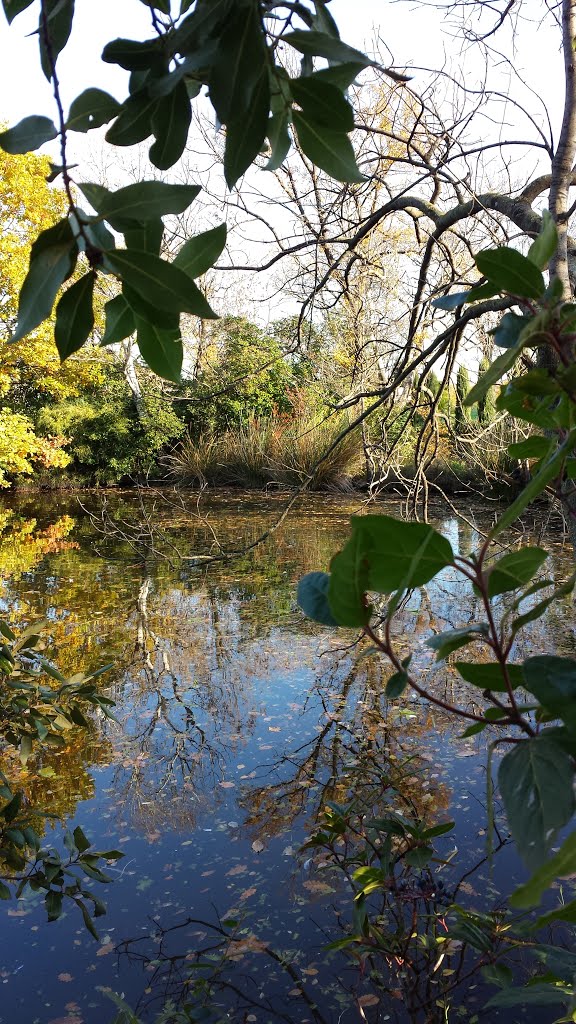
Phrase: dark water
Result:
[237,721]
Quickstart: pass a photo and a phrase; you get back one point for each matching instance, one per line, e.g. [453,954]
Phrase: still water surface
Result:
[236,717]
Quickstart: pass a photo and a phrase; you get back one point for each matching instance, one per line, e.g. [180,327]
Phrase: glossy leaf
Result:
[91,109]
[52,260]
[134,122]
[488,676]
[538,609]
[544,245]
[143,201]
[536,784]
[312,597]
[330,150]
[457,299]
[400,554]
[507,333]
[170,123]
[158,282]
[515,569]
[29,134]
[200,253]
[120,321]
[323,103]
[161,349]
[512,272]
[75,316]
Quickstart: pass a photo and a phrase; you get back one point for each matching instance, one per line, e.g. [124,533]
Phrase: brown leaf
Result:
[104,950]
[65,977]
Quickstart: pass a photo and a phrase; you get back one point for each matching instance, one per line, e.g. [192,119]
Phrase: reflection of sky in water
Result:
[236,715]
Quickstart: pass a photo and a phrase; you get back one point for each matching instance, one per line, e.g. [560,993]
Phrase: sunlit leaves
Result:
[536,784]
[512,272]
[29,134]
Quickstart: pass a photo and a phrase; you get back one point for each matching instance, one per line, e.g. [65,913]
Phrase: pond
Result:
[237,722]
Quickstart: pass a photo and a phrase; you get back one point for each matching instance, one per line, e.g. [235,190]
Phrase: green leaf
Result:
[56,22]
[120,321]
[340,75]
[511,272]
[497,974]
[88,922]
[495,371]
[146,235]
[544,245]
[453,639]
[53,901]
[75,316]
[549,469]
[134,122]
[489,676]
[330,150]
[349,575]
[419,856]
[552,680]
[565,912]
[515,569]
[239,69]
[312,598]
[161,349]
[561,865]
[245,134]
[158,282]
[538,610]
[400,554]
[80,841]
[323,103]
[536,784]
[531,995]
[170,123]
[279,139]
[91,109]
[396,685]
[438,830]
[12,8]
[12,808]
[146,311]
[456,299]
[535,447]
[143,201]
[52,261]
[200,253]
[5,893]
[135,55]
[320,44]
[507,333]
[29,134]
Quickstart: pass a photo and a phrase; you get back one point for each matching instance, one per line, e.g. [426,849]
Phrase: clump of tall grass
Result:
[280,451]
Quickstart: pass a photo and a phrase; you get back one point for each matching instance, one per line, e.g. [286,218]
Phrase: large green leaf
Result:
[536,784]
[135,54]
[400,554]
[534,447]
[553,681]
[312,597]
[341,75]
[331,150]
[489,676]
[29,134]
[239,65]
[493,374]
[161,349]
[512,272]
[544,245]
[55,22]
[349,577]
[323,103]
[158,282]
[544,994]
[515,569]
[246,133]
[14,7]
[453,639]
[143,201]
[146,311]
[320,44]
[52,261]
[561,865]
[91,109]
[507,333]
[146,235]
[279,139]
[170,123]
[200,253]
[75,316]
[134,122]
[120,322]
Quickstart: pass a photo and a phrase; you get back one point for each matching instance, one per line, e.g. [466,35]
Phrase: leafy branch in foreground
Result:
[39,708]
[529,705]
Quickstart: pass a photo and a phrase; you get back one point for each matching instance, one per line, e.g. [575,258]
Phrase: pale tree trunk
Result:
[565,154]
[131,378]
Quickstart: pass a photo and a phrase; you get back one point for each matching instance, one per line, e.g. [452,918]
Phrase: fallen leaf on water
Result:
[65,977]
[246,894]
[104,950]
[227,785]
[238,870]
[317,887]
[258,846]
[368,1000]
[274,728]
